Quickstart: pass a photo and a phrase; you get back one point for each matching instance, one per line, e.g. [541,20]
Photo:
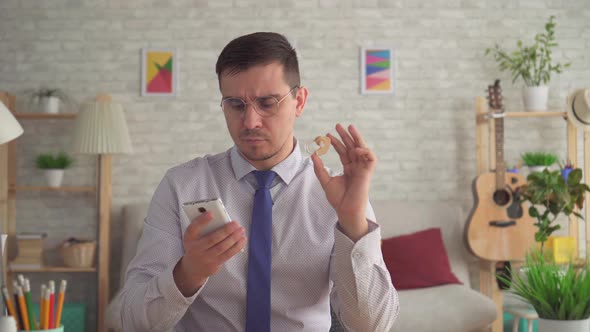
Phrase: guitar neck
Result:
[500,167]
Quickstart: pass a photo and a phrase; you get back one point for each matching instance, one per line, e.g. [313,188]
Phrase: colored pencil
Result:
[47,317]
[42,305]
[60,302]
[16,305]
[51,304]
[9,306]
[23,308]
[29,302]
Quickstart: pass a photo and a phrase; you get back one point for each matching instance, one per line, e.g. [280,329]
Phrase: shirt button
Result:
[358,255]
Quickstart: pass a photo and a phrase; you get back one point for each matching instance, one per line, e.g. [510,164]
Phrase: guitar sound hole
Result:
[501,197]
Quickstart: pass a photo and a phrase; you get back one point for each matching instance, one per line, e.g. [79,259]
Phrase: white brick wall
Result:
[423,135]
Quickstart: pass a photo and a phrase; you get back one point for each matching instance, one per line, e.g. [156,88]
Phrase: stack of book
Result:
[30,251]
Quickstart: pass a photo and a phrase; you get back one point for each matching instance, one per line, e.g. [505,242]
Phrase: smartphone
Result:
[215,206]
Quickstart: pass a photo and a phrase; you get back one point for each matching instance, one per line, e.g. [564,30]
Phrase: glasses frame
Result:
[253,103]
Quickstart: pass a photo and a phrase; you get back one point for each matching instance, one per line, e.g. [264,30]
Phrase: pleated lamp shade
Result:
[101,129]
[9,127]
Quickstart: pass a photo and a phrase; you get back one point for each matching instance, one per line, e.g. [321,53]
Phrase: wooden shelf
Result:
[53,269]
[542,114]
[59,189]
[42,116]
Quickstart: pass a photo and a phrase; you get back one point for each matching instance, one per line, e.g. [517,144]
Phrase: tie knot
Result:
[264,178]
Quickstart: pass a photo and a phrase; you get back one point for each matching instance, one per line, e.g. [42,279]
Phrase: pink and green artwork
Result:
[377,70]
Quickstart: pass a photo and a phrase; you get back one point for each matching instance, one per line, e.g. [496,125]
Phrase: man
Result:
[318,247]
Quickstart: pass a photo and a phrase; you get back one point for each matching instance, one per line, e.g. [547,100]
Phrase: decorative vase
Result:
[535,97]
[54,177]
[549,325]
[49,104]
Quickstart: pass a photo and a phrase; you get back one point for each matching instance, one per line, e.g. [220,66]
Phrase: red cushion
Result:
[418,260]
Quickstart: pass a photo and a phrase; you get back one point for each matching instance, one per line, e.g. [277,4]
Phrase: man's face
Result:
[263,140]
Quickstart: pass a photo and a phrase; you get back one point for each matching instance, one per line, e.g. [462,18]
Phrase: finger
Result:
[358,139]
[227,243]
[193,231]
[320,171]
[340,149]
[348,141]
[213,238]
[364,155]
[232,251]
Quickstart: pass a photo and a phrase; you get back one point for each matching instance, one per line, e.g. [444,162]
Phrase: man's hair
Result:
[259,48]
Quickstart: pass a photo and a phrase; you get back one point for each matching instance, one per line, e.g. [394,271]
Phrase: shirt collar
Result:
[286,169]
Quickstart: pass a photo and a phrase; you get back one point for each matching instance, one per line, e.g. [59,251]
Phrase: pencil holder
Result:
[79,253]
[59,329]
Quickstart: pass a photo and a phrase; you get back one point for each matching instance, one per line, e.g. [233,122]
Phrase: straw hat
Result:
[578,108]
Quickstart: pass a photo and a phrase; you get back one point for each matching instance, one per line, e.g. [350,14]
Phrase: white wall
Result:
[423,135]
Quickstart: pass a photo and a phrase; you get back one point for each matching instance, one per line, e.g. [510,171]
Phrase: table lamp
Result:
[9,130]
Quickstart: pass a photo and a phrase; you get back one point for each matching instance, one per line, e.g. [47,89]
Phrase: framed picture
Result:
[159,72]
[377,75]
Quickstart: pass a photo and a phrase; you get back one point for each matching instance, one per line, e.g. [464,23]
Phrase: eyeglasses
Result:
[264,105]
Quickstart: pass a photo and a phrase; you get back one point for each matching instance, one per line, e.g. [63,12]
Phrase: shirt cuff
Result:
[167,287]
[367,249]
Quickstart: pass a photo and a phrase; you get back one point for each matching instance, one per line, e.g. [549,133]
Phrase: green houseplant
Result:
[538,161]
[549,195]
[54,166]
[558,293]
[533,64]
[48,99]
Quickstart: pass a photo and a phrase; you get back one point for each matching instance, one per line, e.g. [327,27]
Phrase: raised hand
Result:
[348,193]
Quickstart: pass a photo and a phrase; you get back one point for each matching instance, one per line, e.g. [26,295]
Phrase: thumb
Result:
[320,171]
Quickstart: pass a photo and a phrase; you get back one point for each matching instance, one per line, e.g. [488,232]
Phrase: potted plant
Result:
[550,195]
[47,99]
[533,64]
[538,161]
[54,166]
[559,294]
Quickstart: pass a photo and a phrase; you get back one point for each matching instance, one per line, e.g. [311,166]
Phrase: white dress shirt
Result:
[313,262]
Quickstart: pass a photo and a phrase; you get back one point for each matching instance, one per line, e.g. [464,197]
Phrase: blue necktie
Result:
[259,258]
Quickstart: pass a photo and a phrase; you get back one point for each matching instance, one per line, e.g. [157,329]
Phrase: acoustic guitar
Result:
[499,229]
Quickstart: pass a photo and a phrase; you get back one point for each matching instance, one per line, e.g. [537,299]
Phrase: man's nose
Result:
[251,118]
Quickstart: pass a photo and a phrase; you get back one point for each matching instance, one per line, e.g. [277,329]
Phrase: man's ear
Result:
[301,98]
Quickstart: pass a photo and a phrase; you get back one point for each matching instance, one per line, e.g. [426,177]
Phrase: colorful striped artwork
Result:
[377,70]
[159,74]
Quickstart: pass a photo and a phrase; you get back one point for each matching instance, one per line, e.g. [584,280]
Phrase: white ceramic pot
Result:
[535,97]
[7,324]
[54,177]
[49,104]
[537,168]
[549,325]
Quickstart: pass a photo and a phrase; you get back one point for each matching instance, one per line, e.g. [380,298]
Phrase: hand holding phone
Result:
[217,209]
[204,256]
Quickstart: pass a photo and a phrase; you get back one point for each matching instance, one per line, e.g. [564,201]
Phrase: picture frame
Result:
[377,70]
[159,72]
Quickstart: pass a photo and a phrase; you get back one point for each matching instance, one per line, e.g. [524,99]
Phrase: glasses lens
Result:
[233,105]
[267,106]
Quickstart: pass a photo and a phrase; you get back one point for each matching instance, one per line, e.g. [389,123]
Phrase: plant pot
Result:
[49,104]
[549,325]
[54,177]
[537,168]
[535,98]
